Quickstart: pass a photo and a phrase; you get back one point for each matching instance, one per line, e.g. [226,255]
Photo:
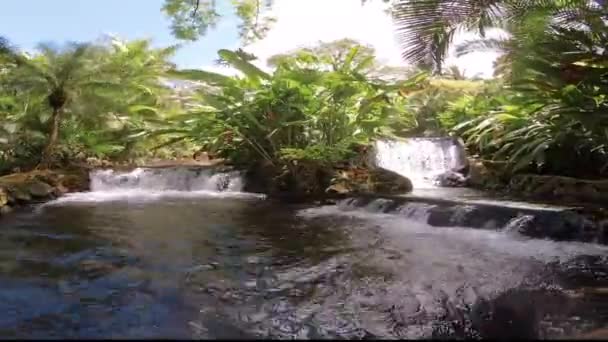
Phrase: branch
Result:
[198,2]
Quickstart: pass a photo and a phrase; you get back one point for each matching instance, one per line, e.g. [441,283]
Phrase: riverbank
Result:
[24,188]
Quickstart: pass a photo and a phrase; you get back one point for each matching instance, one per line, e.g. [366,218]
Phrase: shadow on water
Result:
[201,267]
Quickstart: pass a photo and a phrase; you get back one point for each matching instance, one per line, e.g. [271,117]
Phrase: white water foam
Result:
[142,185]
[420,159]
[406,228]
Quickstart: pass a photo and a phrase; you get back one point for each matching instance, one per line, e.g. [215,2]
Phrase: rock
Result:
[563,188]
[20,195]
[92,161]
[48,178]
[39,189]
[450,179]
[338,188]
[388,182]
[60,190]
[523,224]
[3,197]
[478,173]
[364,180]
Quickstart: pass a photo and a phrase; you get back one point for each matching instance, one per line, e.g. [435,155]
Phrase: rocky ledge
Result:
[21,189]
[565,188]
[307,181]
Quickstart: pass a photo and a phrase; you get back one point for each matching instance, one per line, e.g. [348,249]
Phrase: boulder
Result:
[19,194]
[39,189]
[450,179]
[362,180]
[389,182]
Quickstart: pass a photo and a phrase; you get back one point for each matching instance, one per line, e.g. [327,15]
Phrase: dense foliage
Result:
[310,107]
[82,100]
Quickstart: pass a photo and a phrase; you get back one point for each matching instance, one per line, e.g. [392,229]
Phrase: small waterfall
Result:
[151,184]
[166,179]
[416,211]
[420,159]
[519,224]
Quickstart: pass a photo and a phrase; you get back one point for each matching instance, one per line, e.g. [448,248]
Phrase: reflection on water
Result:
[238,267]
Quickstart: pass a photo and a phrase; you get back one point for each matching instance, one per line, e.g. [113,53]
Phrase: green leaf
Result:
[250,70]
[202,76]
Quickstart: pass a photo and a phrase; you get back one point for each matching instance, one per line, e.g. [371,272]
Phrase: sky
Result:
[299,23]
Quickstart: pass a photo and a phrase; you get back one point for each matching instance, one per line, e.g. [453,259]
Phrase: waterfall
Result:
[165,179]
[150,184]
[420,159]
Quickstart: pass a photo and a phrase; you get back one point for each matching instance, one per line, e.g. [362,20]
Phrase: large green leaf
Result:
[247,68]
[202,76]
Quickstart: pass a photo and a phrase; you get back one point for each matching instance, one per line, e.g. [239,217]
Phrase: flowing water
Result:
[158,254]
[420,159]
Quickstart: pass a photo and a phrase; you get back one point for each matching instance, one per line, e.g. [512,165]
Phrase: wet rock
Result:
[369,180]
[20,194]
[39,189]
[566,188]
[385,181]
[60,190]
[450,179]
[3,197]
[524,224]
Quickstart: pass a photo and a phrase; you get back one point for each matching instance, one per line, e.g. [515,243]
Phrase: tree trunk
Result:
[53,136]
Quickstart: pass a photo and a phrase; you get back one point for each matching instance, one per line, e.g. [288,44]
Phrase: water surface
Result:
[230,265]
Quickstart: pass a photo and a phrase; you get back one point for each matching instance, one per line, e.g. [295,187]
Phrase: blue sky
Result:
[28,22]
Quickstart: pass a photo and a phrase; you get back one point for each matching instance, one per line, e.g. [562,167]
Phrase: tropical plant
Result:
[302,109]
[426,28]
[83,88]
[556,117]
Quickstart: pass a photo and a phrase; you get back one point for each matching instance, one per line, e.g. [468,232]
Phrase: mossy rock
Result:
[389,182]
[39,189]
[19,194]
[360,180]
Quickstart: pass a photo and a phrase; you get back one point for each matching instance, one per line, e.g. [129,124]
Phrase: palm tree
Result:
[55,75]
[426,28]
[96,80]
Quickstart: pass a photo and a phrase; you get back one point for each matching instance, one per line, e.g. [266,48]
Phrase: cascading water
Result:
[170,179]
[420,159]
[143,184]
